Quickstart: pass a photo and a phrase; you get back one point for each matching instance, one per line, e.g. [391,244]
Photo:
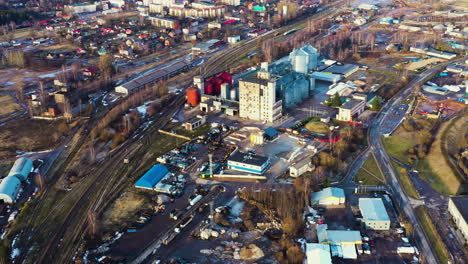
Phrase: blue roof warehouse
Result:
[152,177]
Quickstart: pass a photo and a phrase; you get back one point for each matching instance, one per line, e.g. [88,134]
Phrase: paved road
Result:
[375,141]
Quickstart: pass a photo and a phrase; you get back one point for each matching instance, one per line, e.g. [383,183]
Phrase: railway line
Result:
[105,179]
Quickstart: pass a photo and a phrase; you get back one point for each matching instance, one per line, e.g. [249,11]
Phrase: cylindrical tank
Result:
[300,63]
[208,88]
[192,96]
[233,94]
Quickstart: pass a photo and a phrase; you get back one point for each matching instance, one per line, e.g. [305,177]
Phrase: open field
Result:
[125,208]
[423,63]
[28,135]
[317,127]
[438,161]
[365,178]
[405,181]
[8,105]
[61,48]
[398,143]
[432,234]
[23,33]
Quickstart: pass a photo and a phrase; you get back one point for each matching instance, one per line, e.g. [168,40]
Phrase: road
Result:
[405,204]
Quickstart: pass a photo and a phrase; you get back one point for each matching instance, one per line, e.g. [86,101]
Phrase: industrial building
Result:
[195,123]
[152,78]
[458,209]
[351,109]
[329,196]
[301,167]
[344,70]
[342,242]
[81,8]
[257,98]
[318,253]
[21,168]
[152,177]
[205,47]
[248,162]
[374,214]
[11,185]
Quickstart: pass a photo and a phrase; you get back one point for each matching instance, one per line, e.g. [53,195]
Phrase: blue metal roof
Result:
[271,132]
[152,177]
[373,209]
[328,192]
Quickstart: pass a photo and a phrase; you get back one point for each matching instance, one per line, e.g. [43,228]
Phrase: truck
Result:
[195,199]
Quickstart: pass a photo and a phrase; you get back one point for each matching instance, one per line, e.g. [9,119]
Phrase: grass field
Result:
[8,105]
[436,168]
[317,127]
[432,234]
[398,144]
[365,178]
[405,181]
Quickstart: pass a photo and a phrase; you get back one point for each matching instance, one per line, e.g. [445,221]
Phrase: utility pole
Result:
[210,156]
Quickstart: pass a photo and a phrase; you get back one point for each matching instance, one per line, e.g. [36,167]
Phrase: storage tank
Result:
[21,168]
[300,61]
[192,96]
[233,94]
[225,91]
[208,88]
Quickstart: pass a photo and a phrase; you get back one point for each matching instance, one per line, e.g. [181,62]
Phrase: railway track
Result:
[105,179]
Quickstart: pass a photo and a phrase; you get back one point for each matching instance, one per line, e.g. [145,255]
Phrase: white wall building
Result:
[374,214]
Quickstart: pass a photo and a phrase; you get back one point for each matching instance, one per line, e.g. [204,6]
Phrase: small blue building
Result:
[152,177]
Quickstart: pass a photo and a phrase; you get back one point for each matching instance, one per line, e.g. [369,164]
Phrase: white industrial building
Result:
[248,162]
[81,8]
[301,167]
[318,253]
[351,109]
[374,214]
[342,242]
[458,209]
[329,196]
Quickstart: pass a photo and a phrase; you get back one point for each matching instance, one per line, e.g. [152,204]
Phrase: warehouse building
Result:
[345,70]
[374,214]
[11,185]
[342,242]
[248,162]
[152,177]
[458,209]
[329,196]
[301,167]
[318,253]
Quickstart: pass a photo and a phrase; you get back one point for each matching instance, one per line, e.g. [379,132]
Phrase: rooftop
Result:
[341,69]
[248,158]
[373,209]
[461,202]
[351,104]
[318,253]
[337,237]
[152,176]
[328,192]
[255,79]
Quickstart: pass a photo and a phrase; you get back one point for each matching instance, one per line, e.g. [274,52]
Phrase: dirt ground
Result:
[27,135]
[8,105]
[418,64]
[125,208]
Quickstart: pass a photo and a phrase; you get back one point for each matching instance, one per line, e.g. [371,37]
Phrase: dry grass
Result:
[8,105]
[28,135]
[125,208]
[317,127]
[432,234]
[405,181]
[60,47]
[439,166]
[371,166]
[418,64]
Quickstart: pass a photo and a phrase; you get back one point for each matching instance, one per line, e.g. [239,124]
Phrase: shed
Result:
[152,177]
[21,168]
[271,133]
[9,188]
[329,196]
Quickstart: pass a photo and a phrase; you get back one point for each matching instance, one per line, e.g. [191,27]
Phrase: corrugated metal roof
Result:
[22,167]
[318,253]
[9,188]
[328,192]
[373,209]
[152,177]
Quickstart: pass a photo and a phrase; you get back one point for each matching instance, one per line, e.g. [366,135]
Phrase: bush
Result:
[118,138]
